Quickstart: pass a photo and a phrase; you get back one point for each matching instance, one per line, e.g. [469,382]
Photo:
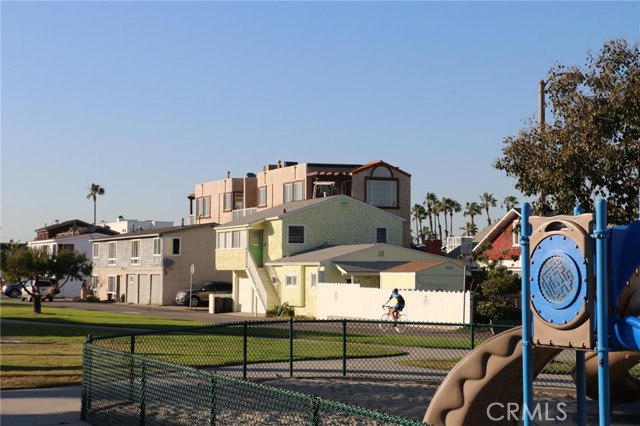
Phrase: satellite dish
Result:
[251,175]
[167,262]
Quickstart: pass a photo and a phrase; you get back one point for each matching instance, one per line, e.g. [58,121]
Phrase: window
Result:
[175,246]
[238,200]
[96,250]
[290,280]
[288,192]
[112,253]
[515,231]
[112,284]
[157,247]
[262,196]
[231,239]
[203,207]
[297,191]
[314,280]
[382,172]
[226,204]
[381,235]
[382,193]
[135,252]
[296,234]
[95,282]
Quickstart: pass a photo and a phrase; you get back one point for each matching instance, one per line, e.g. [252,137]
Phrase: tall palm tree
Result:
[437,209]
[454,207]
[444,205]
[487,201]
[419,214]
[429,203]
[510,202]
[472,209]
[93,195]
[469,229]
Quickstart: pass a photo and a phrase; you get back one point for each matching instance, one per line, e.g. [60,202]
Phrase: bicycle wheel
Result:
[401,325]
[384,325]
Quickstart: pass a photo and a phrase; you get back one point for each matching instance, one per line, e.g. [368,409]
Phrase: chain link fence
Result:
[209,374]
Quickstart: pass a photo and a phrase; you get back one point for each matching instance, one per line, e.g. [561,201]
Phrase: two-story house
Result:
[246,246]
[73,235]
[500,242]
[376,183]
[150,266]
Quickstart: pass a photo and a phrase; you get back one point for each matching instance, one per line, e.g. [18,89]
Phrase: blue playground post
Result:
[527,325]
[602,303]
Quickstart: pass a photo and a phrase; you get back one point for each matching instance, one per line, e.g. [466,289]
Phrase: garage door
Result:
[156,289]
[144,287]
[245,295]
[132,291]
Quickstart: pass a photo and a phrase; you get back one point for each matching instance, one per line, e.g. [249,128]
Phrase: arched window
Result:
[382,188]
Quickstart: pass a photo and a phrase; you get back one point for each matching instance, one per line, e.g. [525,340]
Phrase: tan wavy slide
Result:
[493,373]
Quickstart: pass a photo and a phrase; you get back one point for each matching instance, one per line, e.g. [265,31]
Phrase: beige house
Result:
[367,265]
[250,246]
[376,183]
[148,267]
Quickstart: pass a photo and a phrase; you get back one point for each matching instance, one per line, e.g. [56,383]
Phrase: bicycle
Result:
[387,319]
[282,309]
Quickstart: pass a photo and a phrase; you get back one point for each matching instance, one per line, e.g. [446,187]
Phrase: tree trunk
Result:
[37,304]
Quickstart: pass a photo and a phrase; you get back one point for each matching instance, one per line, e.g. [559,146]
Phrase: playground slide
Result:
[493,373]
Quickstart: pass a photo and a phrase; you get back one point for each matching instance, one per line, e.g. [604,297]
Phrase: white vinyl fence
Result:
[351,301]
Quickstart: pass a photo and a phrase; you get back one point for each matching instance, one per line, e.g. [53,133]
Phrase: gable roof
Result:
[364,267]
[281,210]
[372,164]
[490,233]
[417,265]
[157,232]
[322,254]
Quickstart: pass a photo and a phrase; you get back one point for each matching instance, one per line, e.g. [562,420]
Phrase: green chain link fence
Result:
[207,375]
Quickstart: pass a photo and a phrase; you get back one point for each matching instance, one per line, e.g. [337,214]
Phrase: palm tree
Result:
[486,201]
[454,207]
[469,229]
[419,214]
[472,209]
[444,205]
[437,209]
[93,194]
[430,202]
[510,202]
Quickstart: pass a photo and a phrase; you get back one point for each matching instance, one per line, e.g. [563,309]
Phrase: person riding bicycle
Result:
[399,303]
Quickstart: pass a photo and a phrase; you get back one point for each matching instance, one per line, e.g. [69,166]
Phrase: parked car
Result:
[47,289]
[13,289]
[202,291]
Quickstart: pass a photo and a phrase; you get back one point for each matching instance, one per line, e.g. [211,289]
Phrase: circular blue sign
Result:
[558,280]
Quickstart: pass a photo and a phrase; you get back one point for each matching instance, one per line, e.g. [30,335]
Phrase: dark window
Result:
[381,235]
[296,234]
[176,246]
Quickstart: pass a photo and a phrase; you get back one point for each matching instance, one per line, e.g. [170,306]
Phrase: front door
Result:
[255,246]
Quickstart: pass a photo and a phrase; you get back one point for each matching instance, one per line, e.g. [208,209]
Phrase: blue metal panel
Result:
[559,280]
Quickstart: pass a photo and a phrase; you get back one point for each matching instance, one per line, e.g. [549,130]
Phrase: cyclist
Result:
[399,303]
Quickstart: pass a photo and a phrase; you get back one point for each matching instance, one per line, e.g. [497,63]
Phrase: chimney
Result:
[228,174]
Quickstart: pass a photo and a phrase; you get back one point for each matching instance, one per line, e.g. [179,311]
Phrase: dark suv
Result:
[202,291]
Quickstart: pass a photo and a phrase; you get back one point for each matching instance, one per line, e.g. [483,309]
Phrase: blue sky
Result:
[147,99]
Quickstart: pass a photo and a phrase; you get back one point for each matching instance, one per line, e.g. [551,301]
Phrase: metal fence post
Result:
[290,347]
[472,333]
[132,366]
[244,351]
[212,413]
[143,391]
[344,347]
[85,402]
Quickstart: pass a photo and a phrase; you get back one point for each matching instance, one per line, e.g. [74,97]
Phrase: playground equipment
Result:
[581,281]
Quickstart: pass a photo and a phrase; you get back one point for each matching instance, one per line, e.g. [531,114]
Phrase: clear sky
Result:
[148,99]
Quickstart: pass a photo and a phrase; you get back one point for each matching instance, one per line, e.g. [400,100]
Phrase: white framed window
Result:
[382,193]
[238,200]
[314,280]
[290,280]
[157,247]
[95,282]
[288,192]
[226,202]
[232,239]
[135,252]
[175,246]
[203,207]
[262,196]
[112,253]
[296,234]
[515,232]
[96,250]
[381,235]
[297,191]
[112,284]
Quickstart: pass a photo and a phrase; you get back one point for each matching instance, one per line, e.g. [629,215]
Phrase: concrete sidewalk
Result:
[41,407]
